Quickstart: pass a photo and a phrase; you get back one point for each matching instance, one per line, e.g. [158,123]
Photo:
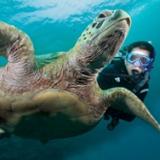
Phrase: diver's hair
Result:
[143,45]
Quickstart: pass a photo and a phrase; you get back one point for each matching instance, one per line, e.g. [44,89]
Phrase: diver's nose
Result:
[137,69]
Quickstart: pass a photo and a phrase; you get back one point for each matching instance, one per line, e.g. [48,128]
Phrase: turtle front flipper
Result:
[124,100]
[60,114]
[17,47]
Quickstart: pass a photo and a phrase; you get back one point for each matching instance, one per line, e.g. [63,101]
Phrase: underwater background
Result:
[54,25]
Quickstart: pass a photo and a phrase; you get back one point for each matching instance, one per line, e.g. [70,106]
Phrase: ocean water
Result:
[54,25]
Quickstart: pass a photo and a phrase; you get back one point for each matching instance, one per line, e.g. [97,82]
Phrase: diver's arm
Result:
[143,92]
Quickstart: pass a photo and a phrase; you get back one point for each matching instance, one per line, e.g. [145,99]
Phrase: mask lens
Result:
[144,60]
[134,57]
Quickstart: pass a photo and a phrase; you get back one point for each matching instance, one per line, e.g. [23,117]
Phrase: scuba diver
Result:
[131,70]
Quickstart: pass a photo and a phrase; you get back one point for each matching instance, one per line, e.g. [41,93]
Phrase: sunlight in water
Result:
[63,9]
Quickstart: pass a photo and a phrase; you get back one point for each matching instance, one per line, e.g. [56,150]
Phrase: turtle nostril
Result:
[99,24]
[94,24]
[102,15]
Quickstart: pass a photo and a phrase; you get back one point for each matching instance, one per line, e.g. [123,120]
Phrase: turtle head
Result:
[102,38]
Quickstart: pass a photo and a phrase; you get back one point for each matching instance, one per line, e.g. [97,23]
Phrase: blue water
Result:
[54,26]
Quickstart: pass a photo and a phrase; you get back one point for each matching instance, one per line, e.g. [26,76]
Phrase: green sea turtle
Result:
[46,100]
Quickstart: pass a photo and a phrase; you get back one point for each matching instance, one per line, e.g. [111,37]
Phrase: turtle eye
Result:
[102,15]
[105,14]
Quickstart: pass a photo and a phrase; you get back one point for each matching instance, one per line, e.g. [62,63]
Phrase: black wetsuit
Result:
[115,75]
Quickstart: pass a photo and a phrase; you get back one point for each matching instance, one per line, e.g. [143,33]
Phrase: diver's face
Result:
[132,68]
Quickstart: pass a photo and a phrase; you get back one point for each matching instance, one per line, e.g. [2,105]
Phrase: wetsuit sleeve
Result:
[105,78]
[143,92]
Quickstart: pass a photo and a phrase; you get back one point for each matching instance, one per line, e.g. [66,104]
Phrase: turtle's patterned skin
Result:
[62,98]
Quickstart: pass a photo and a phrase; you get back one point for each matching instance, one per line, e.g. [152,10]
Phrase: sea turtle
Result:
[47,100]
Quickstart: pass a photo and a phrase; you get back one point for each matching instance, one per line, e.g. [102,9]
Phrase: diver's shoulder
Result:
[113,67]
[117,63]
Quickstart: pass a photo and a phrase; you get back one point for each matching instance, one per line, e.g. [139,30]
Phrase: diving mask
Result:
[139,60]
